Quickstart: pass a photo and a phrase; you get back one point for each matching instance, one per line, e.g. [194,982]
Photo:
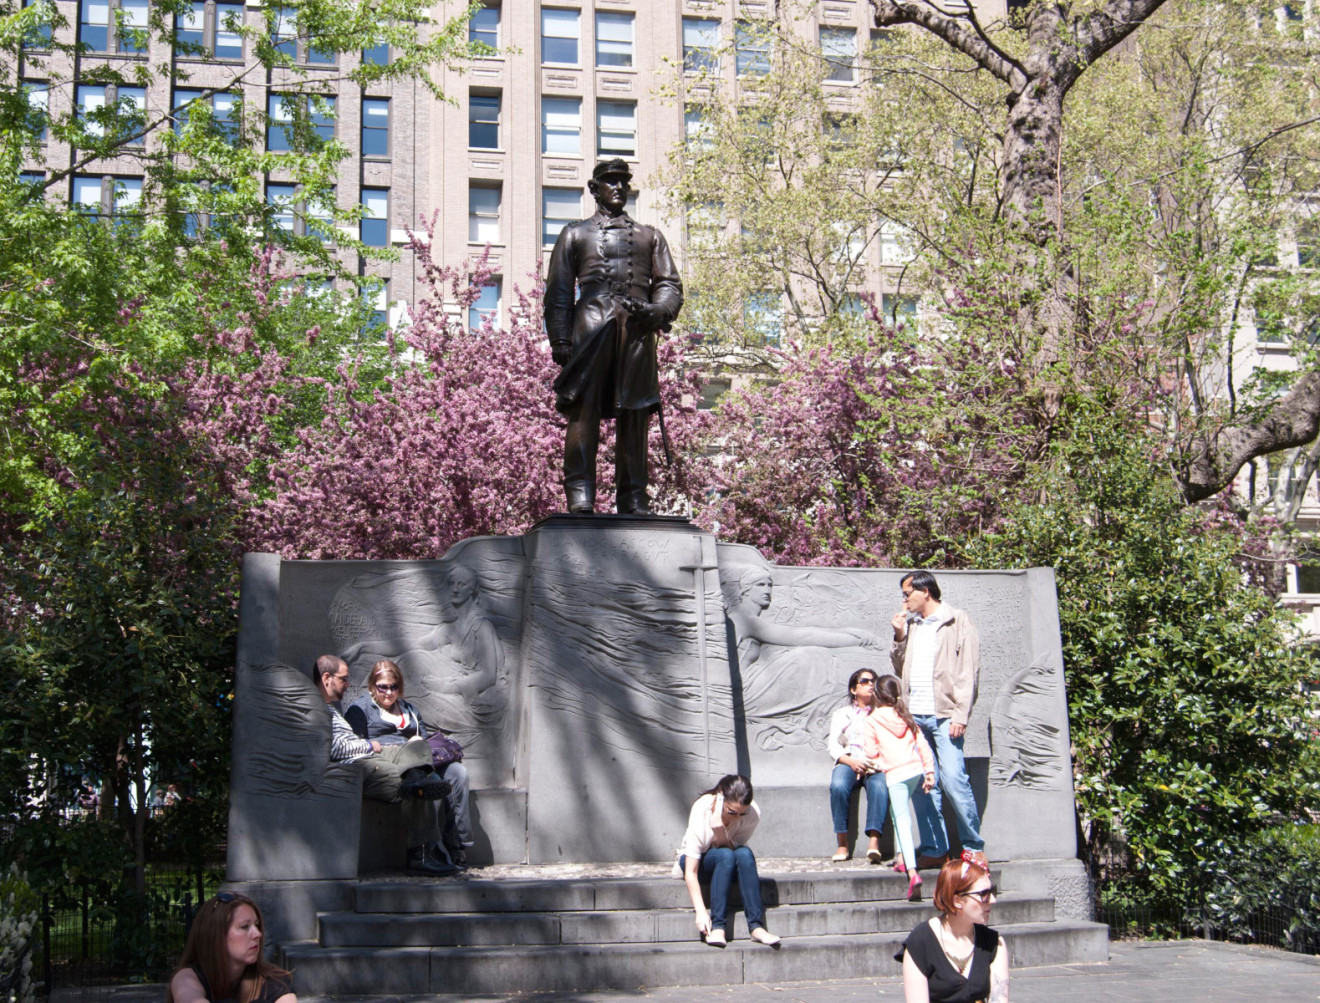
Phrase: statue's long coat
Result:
[612,355]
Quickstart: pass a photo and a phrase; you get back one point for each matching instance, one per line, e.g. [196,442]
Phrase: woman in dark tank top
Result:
[956,958]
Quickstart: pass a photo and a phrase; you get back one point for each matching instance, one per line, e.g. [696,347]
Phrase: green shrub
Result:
[1267,888]
[1187,720]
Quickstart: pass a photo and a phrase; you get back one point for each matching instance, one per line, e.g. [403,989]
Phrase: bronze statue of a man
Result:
[628,290]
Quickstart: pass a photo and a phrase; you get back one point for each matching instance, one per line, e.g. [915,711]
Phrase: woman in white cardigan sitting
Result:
[715,846]
[851,767]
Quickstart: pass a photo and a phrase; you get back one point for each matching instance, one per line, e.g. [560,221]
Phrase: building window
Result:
[291,117]
[561,126]
[294,215]
[484,121]
[839,47]
[486,307]
[705,222]
[559,207]
[38,37]
[752,49]
[100,105]
[701,43]
[113,25]
[697,133]
[763,318]
[485,26]
[91,109]
[560,30]
[31,178]
[284,32]
[283,199]
[375,127]
[37,96]
[375,226]
[898,310]
[210,29]
[377,297]
[614,39]
[288,42]
[483,215]
[223,110]
[377,55]
[895,244]
[1307,235]
[106,196]
[616,128]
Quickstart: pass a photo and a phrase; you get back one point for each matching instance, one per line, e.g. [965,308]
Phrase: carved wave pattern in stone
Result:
[288,729]
[630,672]
[1029,749]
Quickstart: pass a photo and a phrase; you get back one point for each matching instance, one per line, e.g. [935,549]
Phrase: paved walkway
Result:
[1189,971]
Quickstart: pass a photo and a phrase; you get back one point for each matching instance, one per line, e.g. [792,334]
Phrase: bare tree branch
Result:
[1099,32]
[1214,457]
[956,33]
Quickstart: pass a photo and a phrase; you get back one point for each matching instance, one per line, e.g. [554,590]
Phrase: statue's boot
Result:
[581,498]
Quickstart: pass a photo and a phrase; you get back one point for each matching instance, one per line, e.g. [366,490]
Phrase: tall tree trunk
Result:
[1060,46]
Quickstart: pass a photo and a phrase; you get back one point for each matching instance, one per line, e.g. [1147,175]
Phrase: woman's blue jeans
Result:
[718,865]
[843,781]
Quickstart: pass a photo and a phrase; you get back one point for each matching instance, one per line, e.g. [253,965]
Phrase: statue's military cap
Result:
[612,168]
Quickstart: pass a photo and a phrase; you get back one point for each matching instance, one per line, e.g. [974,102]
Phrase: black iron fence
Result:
[1289,925]
[125,924]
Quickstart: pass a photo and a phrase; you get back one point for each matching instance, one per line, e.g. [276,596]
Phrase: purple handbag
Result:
[444,750]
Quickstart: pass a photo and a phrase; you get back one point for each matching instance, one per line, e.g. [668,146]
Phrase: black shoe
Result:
[420,858]
[440,853]
[415,775]
[429,788]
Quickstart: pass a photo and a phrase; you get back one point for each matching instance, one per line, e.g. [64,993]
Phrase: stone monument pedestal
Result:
[601,673]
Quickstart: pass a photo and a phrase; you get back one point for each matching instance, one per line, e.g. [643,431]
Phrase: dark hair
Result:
[923,581]
[207,950]
[956,877]
[852,680]
[733,788]
[328,665]
[889,693]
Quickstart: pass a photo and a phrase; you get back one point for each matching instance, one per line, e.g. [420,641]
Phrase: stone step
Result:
[560,968]
[634,926]
[473,894]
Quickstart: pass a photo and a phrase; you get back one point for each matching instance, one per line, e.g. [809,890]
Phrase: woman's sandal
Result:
[875,856]
[840,855]
[716,939]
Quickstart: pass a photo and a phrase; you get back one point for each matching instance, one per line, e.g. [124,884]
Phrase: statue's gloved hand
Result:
[560,351]
[647,315]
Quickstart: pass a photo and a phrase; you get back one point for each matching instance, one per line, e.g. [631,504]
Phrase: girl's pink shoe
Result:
[914,887]
[899,866]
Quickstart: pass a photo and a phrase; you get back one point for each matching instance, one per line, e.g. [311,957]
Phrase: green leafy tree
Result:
[1189,726]
[118,334]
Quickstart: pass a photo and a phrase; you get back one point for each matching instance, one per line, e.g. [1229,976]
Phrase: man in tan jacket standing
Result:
[936,652]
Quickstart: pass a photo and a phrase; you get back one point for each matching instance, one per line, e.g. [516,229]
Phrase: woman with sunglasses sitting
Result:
[222,958]
[721,822]
[384,715]
[847,750]
[955,957]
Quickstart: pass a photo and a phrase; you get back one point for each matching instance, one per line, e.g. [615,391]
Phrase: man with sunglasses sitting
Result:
[398,774]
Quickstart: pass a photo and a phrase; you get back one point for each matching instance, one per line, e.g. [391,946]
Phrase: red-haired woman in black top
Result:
[955,957]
